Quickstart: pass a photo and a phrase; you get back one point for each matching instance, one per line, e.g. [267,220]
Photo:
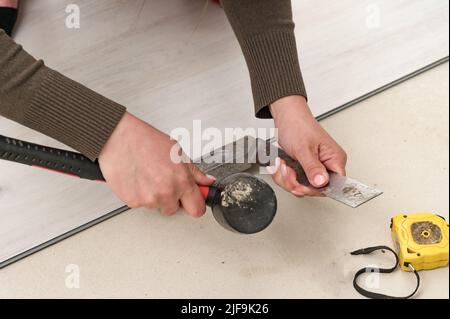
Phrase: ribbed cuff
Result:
[73,114]
[274,68]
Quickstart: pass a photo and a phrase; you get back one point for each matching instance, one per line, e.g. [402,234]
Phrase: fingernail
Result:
[319,180]
[211,177]
[277,163]
[284,170]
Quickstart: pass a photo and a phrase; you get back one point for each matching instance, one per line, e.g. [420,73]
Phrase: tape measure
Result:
[422,243]
[421,240]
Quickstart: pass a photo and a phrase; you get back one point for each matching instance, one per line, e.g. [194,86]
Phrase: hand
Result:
[136,163]
[9,3]
[302,138]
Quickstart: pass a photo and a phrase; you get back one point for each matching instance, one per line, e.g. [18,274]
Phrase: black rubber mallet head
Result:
[242,203]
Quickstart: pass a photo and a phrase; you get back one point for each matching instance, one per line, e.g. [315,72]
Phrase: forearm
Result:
[46,101]
[265,30]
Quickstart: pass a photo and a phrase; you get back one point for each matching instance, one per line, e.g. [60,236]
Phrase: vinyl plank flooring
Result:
[164,58]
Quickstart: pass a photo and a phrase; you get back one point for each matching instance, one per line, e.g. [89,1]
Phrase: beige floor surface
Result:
[397,140]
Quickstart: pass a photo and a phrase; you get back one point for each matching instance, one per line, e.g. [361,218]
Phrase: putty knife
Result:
[246,152]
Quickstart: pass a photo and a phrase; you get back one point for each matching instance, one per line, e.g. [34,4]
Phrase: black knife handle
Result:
[267,152]
[54,159]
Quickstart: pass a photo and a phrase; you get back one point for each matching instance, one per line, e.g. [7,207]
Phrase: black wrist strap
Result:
[374,295]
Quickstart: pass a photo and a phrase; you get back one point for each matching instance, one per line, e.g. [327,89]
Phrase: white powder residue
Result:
[236,193]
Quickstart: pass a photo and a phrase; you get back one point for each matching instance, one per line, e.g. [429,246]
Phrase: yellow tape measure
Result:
[421,240]
[422,243]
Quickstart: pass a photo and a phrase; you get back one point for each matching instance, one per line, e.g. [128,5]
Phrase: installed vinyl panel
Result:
[171,62]
[345,55]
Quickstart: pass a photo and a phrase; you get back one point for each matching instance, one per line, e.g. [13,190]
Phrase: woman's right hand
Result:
[137,165]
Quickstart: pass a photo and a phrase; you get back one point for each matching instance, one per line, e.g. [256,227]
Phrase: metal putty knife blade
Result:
[349,191]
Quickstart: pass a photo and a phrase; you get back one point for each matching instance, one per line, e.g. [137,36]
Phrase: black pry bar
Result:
[54,159]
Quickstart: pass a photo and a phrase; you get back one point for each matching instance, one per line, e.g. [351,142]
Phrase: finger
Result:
[313,167]
[303,190]
[278,179]
[337,168]
[291,183]
[289,177]
[286,177]
[170,209]
[273,169]
[200,177]
[338,164]
[276,172]
[193,202]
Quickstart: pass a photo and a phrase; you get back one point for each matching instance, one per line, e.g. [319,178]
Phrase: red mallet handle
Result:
[210,193]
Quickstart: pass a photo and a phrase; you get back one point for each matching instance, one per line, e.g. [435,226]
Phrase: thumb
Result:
[200,177]
[337,167]
[313,167]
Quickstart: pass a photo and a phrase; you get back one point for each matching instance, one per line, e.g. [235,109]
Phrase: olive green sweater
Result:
[47,101]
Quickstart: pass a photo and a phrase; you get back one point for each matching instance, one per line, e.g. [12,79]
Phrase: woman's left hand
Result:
[302,138]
